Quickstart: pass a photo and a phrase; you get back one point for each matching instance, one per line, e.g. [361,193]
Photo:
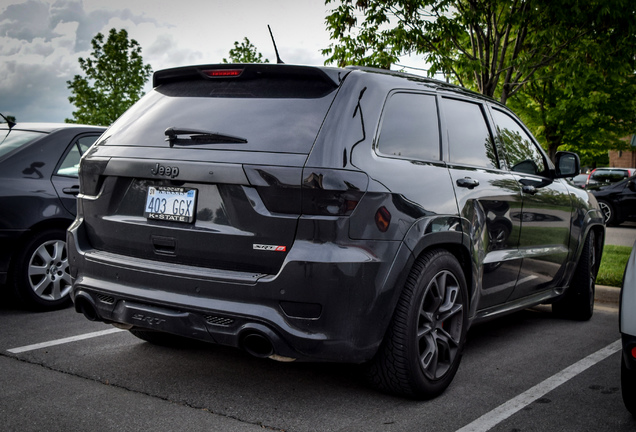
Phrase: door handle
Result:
[467,182]
[73,190]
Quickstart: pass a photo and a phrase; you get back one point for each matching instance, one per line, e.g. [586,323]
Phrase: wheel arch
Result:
[44,225]
[429,234]
[456,245]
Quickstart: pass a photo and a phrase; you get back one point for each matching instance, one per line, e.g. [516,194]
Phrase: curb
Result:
[607,294]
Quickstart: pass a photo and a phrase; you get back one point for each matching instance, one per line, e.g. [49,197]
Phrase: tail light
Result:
[322,192]
[332,192]
[91,175]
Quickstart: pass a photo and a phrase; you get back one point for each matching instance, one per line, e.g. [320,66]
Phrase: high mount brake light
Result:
[222,73]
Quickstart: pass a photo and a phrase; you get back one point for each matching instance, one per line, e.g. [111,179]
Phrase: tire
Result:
[578,301]
[423,346]
[628,387]
[608,212]
[40,273]
[161,338]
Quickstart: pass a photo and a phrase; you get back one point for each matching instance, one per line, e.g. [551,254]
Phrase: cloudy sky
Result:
[41,40]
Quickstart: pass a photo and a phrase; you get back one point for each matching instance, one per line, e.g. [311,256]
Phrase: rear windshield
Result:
[273,115]
[609,176]
[10,141]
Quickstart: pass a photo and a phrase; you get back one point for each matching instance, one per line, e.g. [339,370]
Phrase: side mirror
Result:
[567,164]
[632,185]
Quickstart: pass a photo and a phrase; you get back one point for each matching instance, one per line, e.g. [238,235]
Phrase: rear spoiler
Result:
[331,76]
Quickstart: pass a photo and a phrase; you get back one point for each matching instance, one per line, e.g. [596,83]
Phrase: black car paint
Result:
[621,196]
[32,197]
[331,294]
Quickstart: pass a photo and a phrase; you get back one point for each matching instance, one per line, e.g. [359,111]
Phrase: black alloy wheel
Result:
[422,349]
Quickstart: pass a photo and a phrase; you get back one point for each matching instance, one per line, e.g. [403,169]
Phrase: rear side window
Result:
[522,153]
[469,138]
[273,114]
[70,165]
[410,128]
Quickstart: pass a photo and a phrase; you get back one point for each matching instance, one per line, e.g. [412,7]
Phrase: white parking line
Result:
[63,341]
[502,412]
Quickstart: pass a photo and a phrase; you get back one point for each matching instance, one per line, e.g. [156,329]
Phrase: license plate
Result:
[170,204]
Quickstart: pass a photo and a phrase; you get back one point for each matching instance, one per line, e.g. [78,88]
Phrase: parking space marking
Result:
[505,410]
[64,340]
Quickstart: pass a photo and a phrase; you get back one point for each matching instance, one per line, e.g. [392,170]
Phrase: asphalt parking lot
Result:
[525,372]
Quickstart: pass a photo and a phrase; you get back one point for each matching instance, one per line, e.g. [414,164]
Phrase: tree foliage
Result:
[586,102]
[492,46]
[245,52]
[567,66]
[114,80]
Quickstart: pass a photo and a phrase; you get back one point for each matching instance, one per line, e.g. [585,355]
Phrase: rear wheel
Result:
[628,387]
[40,273]
[423,346]
[578,301]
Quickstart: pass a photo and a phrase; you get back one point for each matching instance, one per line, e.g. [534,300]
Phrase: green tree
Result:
[567,67]
[492,46]
[245,52]
[115,76]
[585,103]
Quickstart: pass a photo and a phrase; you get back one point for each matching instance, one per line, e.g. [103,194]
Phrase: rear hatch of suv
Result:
[206,169]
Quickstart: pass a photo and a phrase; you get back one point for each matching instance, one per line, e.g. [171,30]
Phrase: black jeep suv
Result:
[313,213]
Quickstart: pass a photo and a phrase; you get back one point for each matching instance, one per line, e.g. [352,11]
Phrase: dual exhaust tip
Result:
[254,343]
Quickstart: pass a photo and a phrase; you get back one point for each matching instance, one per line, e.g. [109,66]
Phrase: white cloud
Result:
[41,40]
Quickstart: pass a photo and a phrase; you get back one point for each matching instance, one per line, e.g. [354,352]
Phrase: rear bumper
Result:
[329,302]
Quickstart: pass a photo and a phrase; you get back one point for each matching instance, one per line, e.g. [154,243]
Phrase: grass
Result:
[613,265]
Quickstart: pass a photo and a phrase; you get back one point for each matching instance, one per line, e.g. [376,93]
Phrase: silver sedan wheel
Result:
[48,271]
[606,209]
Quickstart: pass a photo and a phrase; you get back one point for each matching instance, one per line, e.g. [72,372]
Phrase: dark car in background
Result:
[618,201]
[580,180]
[38,188]
[324,214]
[601,177]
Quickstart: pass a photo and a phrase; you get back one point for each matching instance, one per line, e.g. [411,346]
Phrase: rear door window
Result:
[410,127]
[469,138]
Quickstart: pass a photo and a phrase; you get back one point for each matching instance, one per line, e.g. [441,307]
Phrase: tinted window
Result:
[288,125]
[70,164]
[10,141]
[410,127]
[522,153]
[609,175]
[469,139]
